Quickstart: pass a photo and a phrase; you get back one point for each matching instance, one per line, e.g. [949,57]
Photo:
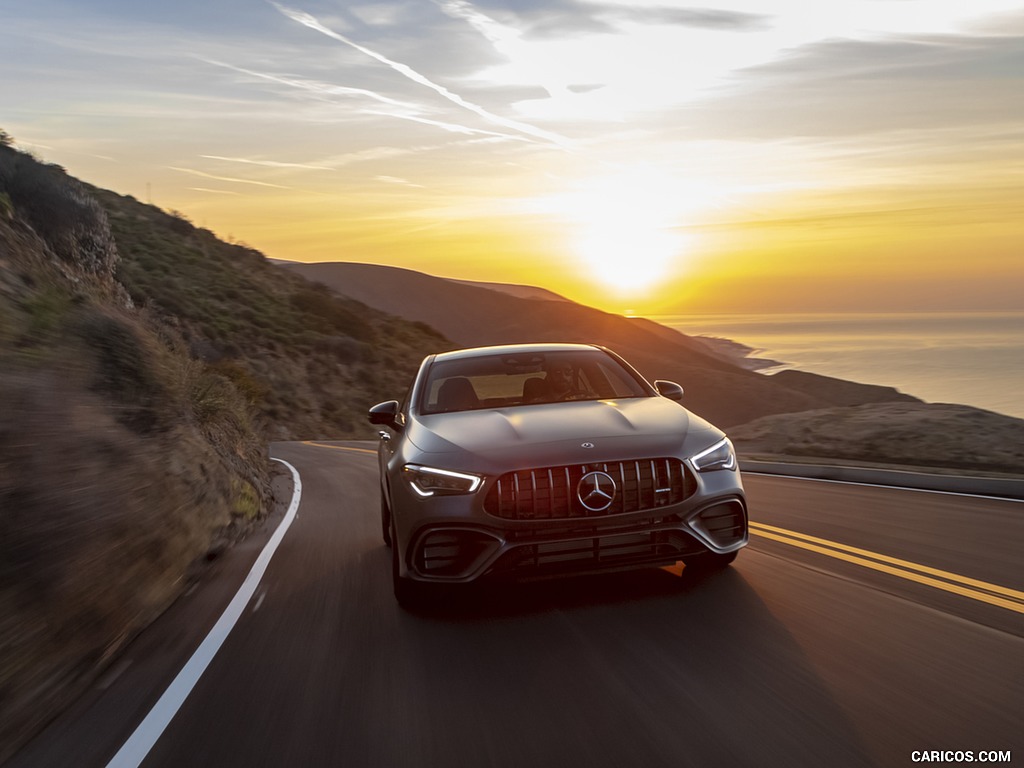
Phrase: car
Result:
[529,461]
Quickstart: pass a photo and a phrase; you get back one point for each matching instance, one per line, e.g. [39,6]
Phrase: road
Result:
[862,625]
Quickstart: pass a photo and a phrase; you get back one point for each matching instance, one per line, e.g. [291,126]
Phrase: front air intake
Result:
[725,524]
[450,553]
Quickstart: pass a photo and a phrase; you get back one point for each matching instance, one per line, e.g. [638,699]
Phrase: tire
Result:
[408,593]
[385,519]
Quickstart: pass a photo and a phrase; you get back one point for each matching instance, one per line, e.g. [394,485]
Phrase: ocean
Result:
[971,358]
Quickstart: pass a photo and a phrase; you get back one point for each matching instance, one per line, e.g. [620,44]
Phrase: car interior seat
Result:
[457,394]
[535,390]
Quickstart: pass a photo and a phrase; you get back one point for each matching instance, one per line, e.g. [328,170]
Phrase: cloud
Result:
[492,30]
[398,181]
[411,74]
[699,18]
[570,18]
[836,89]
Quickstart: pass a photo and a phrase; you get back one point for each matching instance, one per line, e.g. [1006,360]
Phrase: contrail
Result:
[225,178]
[311,86]
[267,163]
[453,127]
[214,191]
[408,72]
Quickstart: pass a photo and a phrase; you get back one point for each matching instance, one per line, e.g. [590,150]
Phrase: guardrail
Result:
[1004,487]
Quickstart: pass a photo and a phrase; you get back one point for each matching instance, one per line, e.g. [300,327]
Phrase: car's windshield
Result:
[494,381]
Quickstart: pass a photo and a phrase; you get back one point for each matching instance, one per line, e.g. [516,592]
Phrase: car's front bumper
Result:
[452,539]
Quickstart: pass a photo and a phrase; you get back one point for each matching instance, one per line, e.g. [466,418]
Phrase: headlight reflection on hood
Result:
[427,481]
[719,456]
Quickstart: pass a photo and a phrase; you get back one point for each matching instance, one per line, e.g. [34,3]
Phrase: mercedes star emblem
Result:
[596,491]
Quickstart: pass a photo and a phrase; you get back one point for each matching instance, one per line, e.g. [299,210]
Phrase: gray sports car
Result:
[538,460]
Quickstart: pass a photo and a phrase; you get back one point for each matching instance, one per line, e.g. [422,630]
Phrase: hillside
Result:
[470,315]
[144,367]
[930,436]
[790,415]
[513,289]
[310,362]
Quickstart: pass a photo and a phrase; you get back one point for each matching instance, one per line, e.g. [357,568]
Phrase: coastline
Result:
[945,445]
[738,354]
[975,358]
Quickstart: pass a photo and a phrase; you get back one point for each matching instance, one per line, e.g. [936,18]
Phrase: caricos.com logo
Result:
[960,756]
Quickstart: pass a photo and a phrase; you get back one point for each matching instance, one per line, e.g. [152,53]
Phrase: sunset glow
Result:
[731,156]
[626,228]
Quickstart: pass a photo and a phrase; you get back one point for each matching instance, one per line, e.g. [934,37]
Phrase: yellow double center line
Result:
[993,594]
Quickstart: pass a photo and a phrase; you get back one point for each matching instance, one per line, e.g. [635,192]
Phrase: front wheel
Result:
[385,519]
[408,593]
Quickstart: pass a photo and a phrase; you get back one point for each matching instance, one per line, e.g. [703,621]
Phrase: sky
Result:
[646,157]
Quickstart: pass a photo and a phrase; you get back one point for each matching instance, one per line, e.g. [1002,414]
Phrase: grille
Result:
[549,493]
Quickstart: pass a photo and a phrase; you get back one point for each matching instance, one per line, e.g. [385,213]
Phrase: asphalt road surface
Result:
[863,626]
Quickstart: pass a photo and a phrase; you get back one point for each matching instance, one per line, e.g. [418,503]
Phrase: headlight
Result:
[428,481]
[718,456]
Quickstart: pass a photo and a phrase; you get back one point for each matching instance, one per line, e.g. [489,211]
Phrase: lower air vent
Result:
[450,553]
[725,523]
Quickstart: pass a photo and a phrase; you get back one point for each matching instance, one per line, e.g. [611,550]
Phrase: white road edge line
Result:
[882,485]
[138,745]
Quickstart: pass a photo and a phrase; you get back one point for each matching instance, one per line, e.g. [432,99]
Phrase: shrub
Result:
[250,389]
[343,348]
[60,210]
[179,223]
[125,368]
[245,500]
[45,310]
[330,313]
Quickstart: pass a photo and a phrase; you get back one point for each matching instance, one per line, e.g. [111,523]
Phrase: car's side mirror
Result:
[386,413]
[669,389]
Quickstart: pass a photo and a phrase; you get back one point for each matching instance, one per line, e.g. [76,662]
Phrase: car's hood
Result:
[555,433]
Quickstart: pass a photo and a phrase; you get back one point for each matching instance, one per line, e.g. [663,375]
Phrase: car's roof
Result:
[510,349]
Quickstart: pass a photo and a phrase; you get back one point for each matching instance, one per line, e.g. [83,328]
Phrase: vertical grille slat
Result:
[549,493]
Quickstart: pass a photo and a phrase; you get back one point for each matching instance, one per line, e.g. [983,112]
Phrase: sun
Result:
[628,255]
[625,229]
